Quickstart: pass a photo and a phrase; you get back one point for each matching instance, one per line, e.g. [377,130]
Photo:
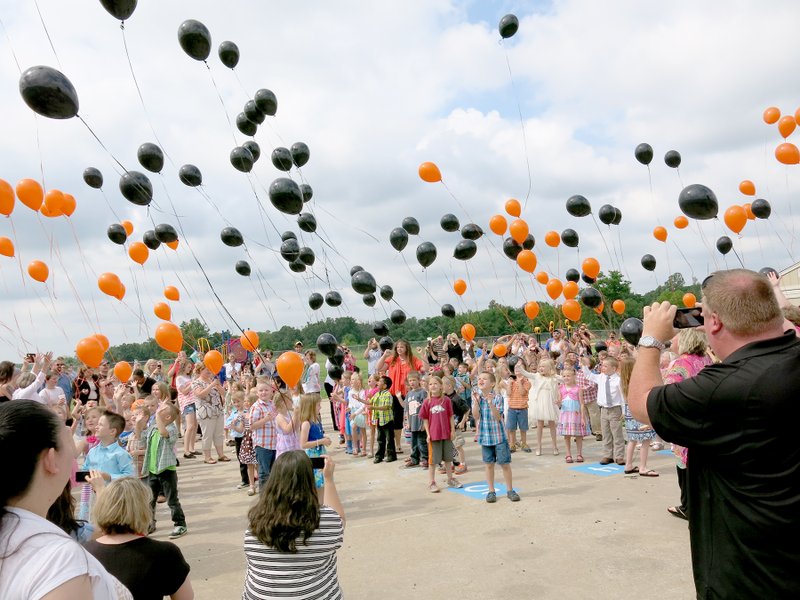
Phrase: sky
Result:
[375,89]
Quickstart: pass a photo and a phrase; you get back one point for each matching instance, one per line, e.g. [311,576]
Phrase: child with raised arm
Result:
[544,399]
[487,406]
[437,416]
[609,399]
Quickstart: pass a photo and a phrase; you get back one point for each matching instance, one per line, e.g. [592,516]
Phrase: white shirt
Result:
[356,402]
[29,393]
[52,396]
[600,380]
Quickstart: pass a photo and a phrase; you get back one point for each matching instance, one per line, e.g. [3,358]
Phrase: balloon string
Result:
[791,216]
[652,194]
[622,253]
[416,279]
[680,179]
[47,33]
[222,102]
[691,270]
[522,125]
[738,257]
[706,244]
[758,239]
[669,267]
[453,196]
[102,145]
[778,235]
[602,237]
[86,267]
[10,46]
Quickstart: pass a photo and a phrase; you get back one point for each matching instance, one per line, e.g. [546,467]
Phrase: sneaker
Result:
[526,448]
[241,486]
[491,497]
[513,496]
[460,469]
[433,488]
[251,491]
[454,483]
[178,531]
[151,528]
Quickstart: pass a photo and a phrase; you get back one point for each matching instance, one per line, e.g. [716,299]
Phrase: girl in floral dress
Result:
[570,422]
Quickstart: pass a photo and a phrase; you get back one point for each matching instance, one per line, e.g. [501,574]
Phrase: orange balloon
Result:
[735,218]
[571,310]
[30,193]
[570,290]
[460,286]
[771,115]
[518,230]
[788,154]
[163,311]
[109,283]
[123,371]
[681,222]
[747,187]
[552,239]
[797,116]
[169,336]
[213,361]
[618,306]
[54,201]
[429,172]
[599,310]
[689,300]
[6,247]
[172,293]
[249,340]
[290,367]
[6,198]
[591,267]
[173,245]
[498,224]
[786,125]
[138,252]
[38,270]
[513,207]
[748,210]
[48,213]
[128,227]
[542,277]
[500,350]
[468,331]
[121,293]
[69,205]
[90,352]
[531,310]
[554,288]
[103,340]
[660,233]
[527,261]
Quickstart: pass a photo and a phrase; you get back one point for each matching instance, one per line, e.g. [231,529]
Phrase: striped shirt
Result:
[310,573]
[518,393]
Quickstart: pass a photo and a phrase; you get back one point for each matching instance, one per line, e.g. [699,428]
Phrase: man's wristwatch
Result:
[649,341]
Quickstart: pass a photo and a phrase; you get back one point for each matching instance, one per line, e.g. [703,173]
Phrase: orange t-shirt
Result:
[518,393]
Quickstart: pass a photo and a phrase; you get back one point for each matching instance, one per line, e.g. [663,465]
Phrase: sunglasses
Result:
[705,282]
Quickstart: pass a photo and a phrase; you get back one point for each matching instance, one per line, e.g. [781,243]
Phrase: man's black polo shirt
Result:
[740,421]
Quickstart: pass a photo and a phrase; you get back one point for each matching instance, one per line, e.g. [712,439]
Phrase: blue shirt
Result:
[111,459]
[233,418]
[65,383]
[491,431]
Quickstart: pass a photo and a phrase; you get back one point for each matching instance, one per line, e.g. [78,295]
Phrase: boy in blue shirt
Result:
[108,456]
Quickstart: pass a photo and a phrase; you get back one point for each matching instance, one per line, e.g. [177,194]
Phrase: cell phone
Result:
[30,357]
[317,462]
[80,476]
[687,317]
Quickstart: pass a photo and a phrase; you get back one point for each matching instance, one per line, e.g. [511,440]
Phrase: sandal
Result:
[223,459]
[568,459]
[210,461]
[579,459]
[631,471]
[433,488]
[648,473]
[555,452]
[677,511]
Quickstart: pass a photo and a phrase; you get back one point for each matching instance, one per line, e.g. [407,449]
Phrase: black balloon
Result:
[290,250]
[448,311]
[398,317]
[297,265]
[508,26]
[253,113]
[465,249]
[398,238]
[578,206]
[450,223]
[591,297]
[195,39]
[411,225]
[286,196]
[335,372]
[333,299]
[511,363]
[724,244]
[288,235]
[267,102]
[282,158]
[387,293]
[300,154]
[150,240]
[767,270]
[355,269]
[606,214]
[326,343]
[308,193]
[644,153]
[698,202]
[136,187]
[228,54]
[315,300]
[241,159]
[254,148]
[600,347]
[617,216]
[586,279]
[380,328]
[307,222]
[572,275]
[761,208]
[386,343]
[649,262]
[190,175]
[363,282]
[570,238]
[119,9]
[307,256]
[243,268]
[94,178]
[166,233]
[150,157]
[426,254]
[48,93]
[470,231]
[673,159]
[245,125]
[231,236]
[337,358]
[116,233]
[529,242]
[631,330]
[511,248]
[369,299]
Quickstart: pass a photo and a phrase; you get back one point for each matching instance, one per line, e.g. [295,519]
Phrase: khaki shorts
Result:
[459,441]
[441,449]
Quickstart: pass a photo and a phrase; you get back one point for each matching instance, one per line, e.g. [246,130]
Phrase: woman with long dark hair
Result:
[291,544]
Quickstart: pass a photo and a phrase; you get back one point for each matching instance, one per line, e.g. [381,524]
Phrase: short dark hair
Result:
[387,381]
[115,421]
[138,373]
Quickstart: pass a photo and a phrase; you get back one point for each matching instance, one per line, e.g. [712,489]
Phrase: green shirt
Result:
[160,455]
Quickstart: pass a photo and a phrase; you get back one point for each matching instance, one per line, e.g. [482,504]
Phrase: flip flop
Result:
[210,461]
[677,511]
[579,458]
[631,471]
[648,473]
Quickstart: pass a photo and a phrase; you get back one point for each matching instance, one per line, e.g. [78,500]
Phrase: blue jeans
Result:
[419,446]
[265,459]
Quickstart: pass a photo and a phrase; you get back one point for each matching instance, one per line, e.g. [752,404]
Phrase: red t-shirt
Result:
[398,370]
[439,413]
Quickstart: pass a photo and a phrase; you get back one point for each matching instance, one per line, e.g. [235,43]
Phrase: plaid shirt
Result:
[491,432]
[382,407]
[588,388]
[266,436]
[165,454]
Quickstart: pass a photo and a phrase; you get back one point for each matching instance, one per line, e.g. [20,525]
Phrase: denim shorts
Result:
[189,409]
[500,454]
[517,418]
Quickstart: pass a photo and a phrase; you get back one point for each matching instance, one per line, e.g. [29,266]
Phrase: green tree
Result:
[193,330]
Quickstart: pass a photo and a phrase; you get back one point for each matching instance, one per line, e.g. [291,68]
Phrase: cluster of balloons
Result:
[90,350]
[786,153]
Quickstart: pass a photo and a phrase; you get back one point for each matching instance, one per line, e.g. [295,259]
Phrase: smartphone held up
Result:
[688,317]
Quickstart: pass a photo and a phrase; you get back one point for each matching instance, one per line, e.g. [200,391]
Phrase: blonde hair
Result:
[625,370]
[550,364]
[123,507]
[308,408]
[237,396]
[743,300]
[25,379]
[692,341]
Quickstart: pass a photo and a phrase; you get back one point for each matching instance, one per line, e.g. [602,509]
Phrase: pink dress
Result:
[570,420]
[286,441]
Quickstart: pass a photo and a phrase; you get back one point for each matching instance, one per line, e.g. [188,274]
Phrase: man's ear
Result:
[712,323]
